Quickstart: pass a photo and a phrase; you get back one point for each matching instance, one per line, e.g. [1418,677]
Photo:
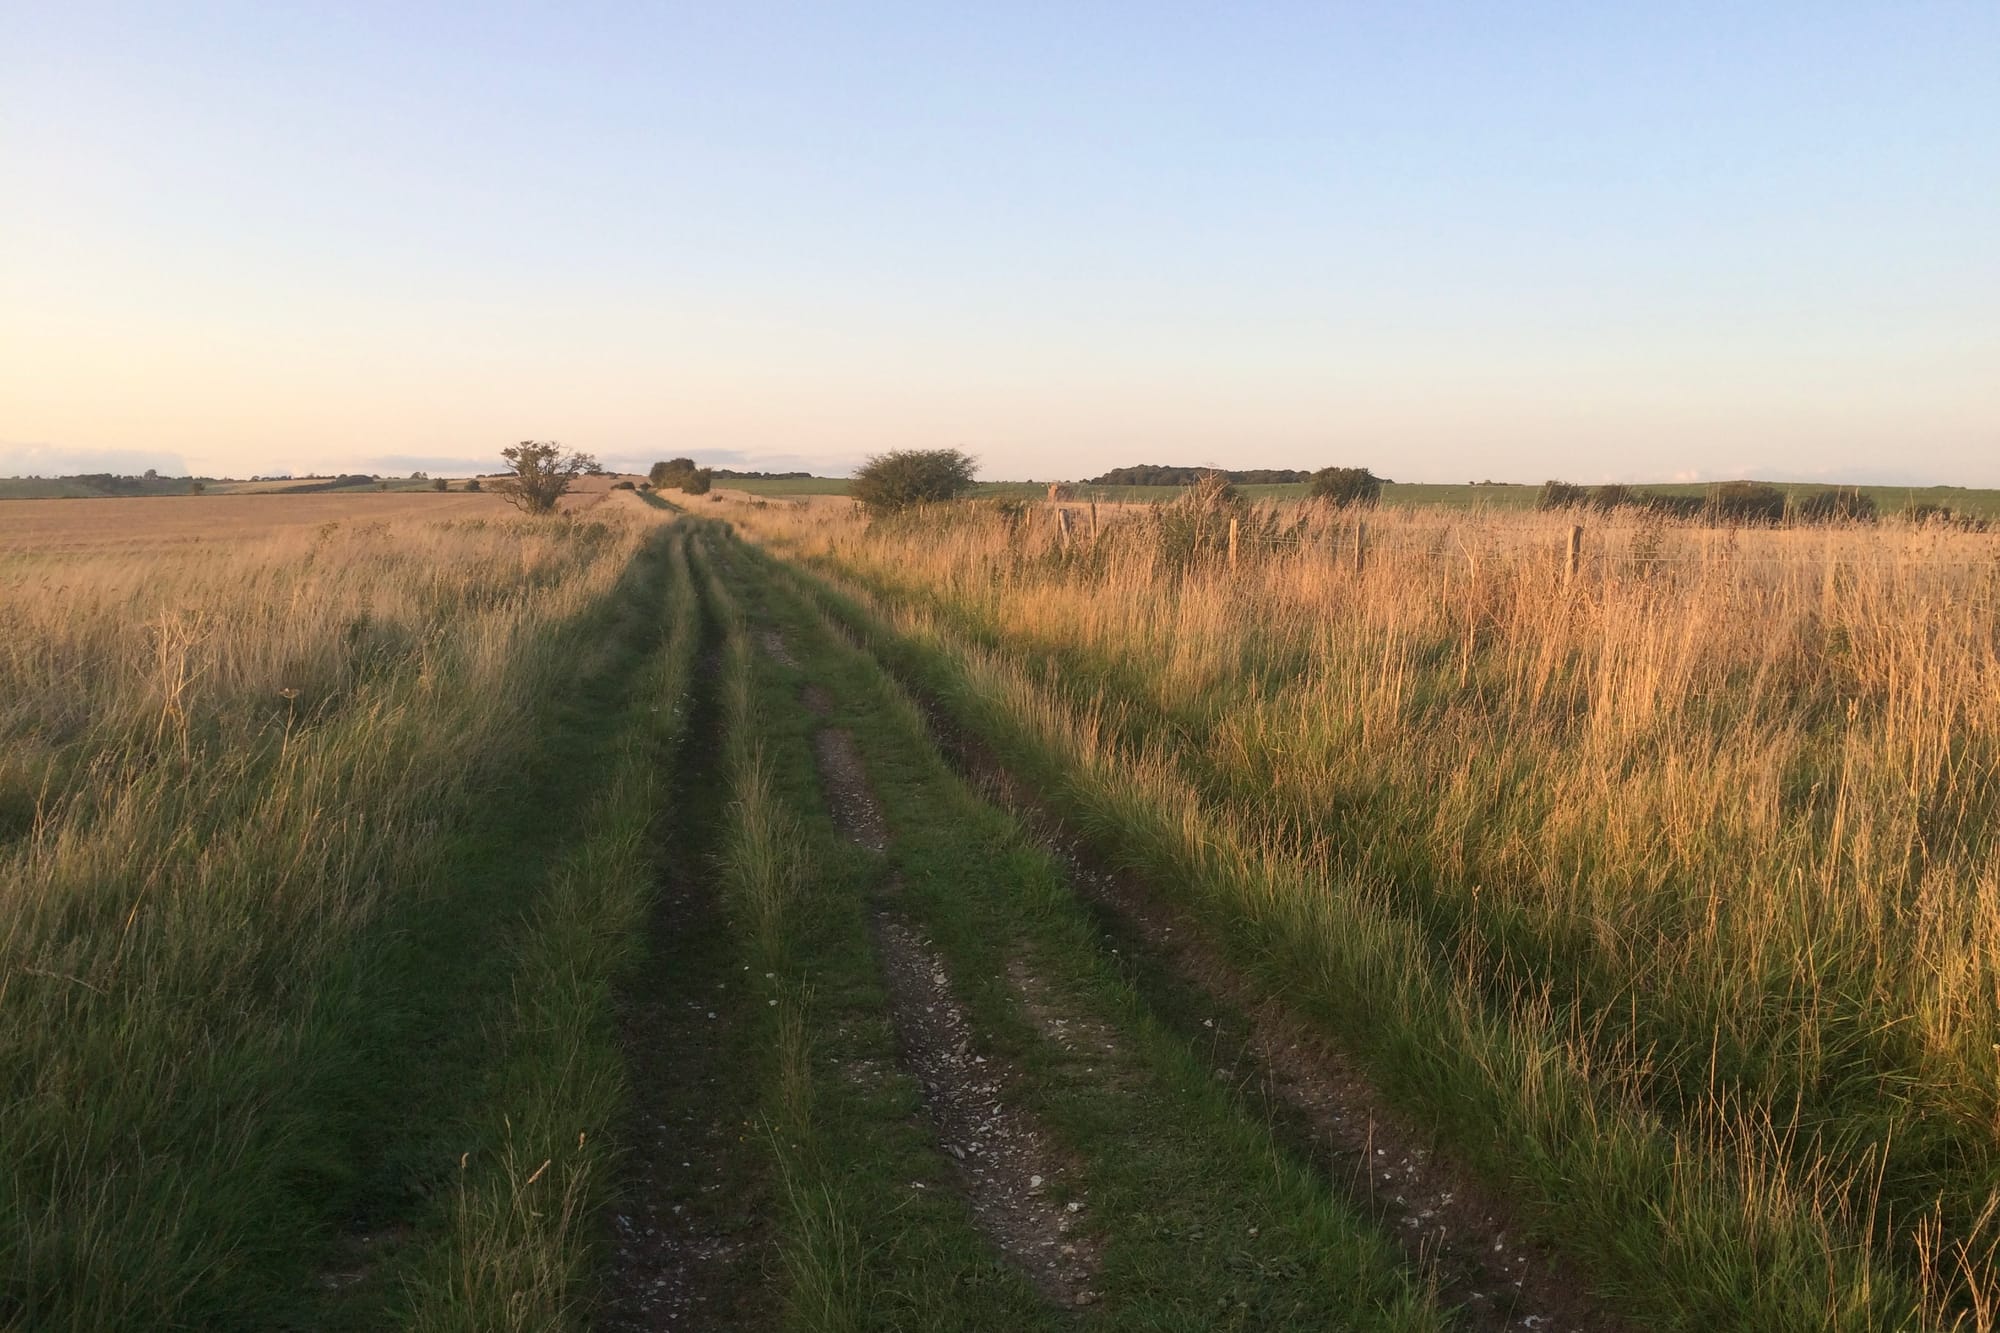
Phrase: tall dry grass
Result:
[1719,808]
[229,776]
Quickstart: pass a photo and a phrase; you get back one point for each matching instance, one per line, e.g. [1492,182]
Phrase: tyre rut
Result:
[1012,1174]
[686,1228]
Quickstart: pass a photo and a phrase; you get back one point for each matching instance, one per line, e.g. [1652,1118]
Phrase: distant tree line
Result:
[1150,474]
[759,476]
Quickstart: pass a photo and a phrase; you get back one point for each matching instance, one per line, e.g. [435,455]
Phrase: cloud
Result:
[447,465]
[22,459]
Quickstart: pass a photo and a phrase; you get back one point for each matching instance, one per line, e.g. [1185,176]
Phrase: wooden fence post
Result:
[1093,522]
[1062,526]
[1574,556]
[1232,546]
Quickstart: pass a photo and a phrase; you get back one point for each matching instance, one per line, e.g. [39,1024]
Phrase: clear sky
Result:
[1445,241]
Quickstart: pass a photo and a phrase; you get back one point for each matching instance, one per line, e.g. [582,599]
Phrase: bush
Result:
[623,486]
[474,485]
[1344,486]
[1561,495]
[901,478]
[1842,504]
[440,484]
[1672,506]
[543,471]
[680,474]
[1746,502]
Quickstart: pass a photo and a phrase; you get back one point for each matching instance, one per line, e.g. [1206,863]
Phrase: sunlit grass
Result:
[1715,815]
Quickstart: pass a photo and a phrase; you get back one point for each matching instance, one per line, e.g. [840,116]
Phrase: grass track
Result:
[1205,1221]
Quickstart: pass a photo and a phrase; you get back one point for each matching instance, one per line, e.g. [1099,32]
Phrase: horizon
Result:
[1442,243]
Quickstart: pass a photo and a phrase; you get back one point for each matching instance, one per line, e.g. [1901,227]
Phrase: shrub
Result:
[543,471]
[901,478]
[623,486]
[697,482]
[1193,527]
[1746,502]
[1561,495]
[474,485]
[1605,499]
[1344,486]
[1842,504]
[440,484]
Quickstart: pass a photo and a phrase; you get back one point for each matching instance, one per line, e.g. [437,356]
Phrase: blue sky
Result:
[1446,241]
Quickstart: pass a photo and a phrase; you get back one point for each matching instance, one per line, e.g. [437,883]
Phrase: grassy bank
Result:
[276,812]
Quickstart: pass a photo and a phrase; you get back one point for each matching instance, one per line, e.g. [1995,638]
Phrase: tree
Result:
[196,486]
[905,477]
[474,485]
[542,473]
[1344,486]
[440,484]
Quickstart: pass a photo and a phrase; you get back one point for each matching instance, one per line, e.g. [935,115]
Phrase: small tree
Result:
[196,486]
[440,484]
[542,473]
[905,477]
[474,485]
[1344,486]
